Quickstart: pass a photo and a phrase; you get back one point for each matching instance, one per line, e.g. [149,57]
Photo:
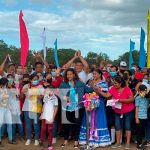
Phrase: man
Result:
[81,66]
[122,68]
[10,69]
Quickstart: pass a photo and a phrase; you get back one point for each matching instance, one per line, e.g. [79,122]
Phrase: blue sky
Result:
[88,25]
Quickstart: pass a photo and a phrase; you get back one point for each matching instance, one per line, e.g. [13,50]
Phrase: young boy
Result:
[141,104]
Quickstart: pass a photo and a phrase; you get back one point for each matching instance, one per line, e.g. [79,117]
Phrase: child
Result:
[48,115]
[141,104]
[5,113]
[14,107]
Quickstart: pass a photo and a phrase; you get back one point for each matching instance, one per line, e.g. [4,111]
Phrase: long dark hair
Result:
[99,72]
[73,71]
[120,80]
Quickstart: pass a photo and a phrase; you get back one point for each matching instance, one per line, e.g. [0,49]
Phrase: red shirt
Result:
[125,94]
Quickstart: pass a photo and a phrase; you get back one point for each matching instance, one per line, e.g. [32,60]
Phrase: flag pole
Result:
[148,40]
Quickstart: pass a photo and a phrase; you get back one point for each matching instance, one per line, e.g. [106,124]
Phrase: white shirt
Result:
[50,102]
[83,76]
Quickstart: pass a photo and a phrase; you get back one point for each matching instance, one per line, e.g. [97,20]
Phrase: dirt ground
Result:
[20,146]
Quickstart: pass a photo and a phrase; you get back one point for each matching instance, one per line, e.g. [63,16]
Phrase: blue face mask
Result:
[40,79]
[53,73]
[145,81]
[10,80]
[35,82]
[112,73]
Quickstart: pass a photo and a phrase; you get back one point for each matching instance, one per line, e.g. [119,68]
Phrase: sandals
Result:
[63,145]
[76,146]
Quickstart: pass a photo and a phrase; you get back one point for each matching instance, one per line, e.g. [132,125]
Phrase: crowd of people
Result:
[44,102]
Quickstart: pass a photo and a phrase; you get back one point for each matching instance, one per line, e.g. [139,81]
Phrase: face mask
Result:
[40,79]
[35,82]
[122,71]
[25,82]
[10,80]
[49,80]
[133,68]
[113,73]
[53,73]
[108,69]
[145,81]
[142,94]
[132,77]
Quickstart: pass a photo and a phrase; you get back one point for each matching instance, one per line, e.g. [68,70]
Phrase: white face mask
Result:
[145,81]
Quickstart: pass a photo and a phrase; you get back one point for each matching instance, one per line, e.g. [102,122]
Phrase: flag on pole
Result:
[148,40]
[142,57]
[24,40]
[43,36]
[55,53]
[132,47]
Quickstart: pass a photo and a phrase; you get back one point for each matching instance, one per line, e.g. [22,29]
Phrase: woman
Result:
[102,137]
[122,92]
[15,107]
[5,112]
[74,90]
[32,107]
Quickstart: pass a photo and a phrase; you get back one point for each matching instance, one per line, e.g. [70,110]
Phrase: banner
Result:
[132,47]
[24,40]
[55,54]
[148,40]
[142,55]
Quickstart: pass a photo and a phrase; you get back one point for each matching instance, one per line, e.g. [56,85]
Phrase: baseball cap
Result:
[123,64]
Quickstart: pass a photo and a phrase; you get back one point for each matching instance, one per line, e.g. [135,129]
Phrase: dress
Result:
[100,135]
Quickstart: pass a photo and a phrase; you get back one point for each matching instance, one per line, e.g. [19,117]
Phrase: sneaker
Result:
[116,145]
[28,142]
[63,145]
[12,142]
[127,146]
[36,142]
[76,146]
[50,148]
[147,143]
[54,141]
[140,146]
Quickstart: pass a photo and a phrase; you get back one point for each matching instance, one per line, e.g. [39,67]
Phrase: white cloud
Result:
[96,25]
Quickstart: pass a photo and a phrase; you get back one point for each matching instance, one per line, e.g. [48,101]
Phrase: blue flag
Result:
[142,55]
[55,54]
[132,47]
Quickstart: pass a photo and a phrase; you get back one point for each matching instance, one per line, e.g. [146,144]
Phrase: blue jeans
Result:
[32,118]
[17,122]
[5,118]
[125,121]
[148,130]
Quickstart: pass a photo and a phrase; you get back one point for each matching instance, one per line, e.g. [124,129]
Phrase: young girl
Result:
[5,113]
[48,115]
[32,107]
[141,104]
[15,107]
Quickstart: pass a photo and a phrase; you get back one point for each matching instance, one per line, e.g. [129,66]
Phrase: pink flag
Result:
[24,40]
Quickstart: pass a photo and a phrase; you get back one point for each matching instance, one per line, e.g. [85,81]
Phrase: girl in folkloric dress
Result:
[100,135]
